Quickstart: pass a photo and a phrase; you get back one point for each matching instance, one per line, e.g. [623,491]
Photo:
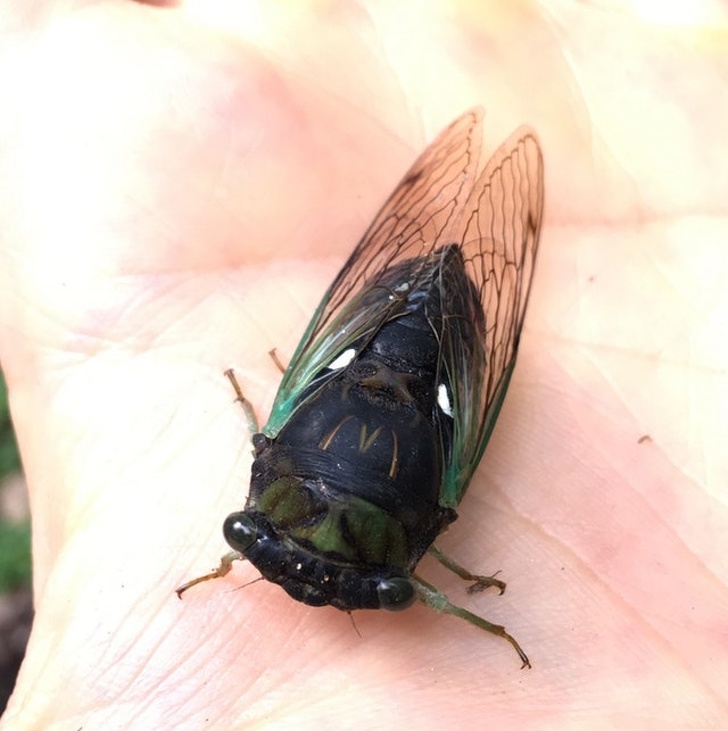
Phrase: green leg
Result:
[481,582]
[436,600]
[247,406]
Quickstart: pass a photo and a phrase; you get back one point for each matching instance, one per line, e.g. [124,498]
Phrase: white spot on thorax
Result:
[343,360]
[443,400]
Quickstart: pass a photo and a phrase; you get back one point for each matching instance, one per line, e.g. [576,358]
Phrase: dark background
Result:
[16,602]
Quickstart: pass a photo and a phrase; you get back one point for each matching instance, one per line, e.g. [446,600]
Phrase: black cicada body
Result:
[390,398]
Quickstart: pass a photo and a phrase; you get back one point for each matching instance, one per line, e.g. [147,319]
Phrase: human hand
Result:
[180,190]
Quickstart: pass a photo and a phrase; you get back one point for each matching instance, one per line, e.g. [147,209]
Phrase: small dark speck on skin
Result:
[644,438]
[160,3]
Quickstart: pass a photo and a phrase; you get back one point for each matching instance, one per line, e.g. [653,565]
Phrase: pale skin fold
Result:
[179,186]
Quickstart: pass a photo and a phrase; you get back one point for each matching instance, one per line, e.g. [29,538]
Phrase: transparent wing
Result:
[495,219]
[417,218]
[498,236]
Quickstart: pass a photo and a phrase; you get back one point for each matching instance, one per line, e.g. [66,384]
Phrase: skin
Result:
[181,185]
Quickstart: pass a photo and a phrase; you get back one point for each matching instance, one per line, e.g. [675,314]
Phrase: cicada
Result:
[392,394]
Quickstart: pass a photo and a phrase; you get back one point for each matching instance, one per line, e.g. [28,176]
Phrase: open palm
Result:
[180,189]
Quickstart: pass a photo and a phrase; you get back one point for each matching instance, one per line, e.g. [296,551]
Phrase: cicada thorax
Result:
[346,498]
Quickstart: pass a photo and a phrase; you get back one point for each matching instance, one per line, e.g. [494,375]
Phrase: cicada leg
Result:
[480,582]
[274,357]
[437,601]
[247,406]
[226,563]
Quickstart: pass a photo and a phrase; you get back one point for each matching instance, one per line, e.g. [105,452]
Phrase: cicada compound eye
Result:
[240,531]
[396,593]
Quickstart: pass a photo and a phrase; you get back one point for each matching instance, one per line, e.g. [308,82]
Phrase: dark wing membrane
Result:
[420,216]
[498,236]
